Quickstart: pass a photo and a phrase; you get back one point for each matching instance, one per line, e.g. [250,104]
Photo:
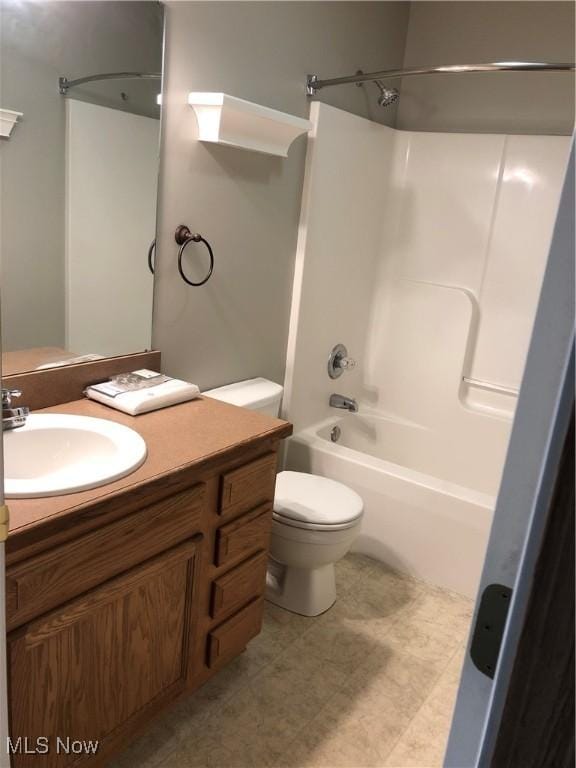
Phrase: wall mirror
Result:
[79,178]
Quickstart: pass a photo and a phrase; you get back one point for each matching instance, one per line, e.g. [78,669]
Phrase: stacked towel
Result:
[142,391]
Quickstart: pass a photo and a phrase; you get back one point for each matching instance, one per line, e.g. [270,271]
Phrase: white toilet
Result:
[315,519]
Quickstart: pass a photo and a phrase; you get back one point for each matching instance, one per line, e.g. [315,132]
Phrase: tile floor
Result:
[372,682]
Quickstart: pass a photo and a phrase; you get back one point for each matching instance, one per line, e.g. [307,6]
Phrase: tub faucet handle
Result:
[338,362]
[346,363]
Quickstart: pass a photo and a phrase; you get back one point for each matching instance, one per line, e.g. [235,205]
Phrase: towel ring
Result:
[151,252]
[184,237]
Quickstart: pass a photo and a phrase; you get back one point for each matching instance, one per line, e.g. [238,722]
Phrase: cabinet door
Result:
[88,670]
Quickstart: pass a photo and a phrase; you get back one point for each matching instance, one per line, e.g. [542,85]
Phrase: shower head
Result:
[388,96]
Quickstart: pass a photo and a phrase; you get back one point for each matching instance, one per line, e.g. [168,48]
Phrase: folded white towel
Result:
[148,398]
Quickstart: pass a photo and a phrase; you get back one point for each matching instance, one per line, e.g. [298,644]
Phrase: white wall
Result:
[111,174]
[246,204]
[426,260]
[472,213]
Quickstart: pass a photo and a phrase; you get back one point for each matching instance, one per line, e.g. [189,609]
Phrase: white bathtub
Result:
[416,519]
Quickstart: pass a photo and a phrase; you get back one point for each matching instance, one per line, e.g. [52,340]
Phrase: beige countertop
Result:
[188,436]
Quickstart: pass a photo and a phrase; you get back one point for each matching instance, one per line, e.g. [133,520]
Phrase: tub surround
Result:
[158,578]
[443,228]
[444,239]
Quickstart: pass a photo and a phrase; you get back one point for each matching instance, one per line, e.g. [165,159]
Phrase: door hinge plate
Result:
[490,623]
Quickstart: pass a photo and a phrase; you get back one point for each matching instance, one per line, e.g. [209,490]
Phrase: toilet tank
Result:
[256,394]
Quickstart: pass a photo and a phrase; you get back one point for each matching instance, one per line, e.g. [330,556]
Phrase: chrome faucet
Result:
[12,418]
[338,362]
[346,403]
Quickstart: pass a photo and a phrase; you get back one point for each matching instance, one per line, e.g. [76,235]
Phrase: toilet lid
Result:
[310,500]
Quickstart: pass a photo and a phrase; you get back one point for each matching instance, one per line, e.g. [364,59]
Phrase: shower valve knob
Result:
[338,362]
[346,363]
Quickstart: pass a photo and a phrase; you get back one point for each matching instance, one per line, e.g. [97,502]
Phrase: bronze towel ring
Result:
[151,252]
[184,237]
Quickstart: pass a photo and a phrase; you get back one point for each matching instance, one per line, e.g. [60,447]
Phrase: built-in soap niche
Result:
[225,119]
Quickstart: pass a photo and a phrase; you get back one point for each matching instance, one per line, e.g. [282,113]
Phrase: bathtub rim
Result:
[310,436]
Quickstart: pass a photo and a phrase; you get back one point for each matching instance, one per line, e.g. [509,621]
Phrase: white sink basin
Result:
[56,453]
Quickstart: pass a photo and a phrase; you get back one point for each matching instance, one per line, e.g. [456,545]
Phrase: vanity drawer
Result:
[45,581]
[244,535]
[248,486]
[227,640]
[235,588]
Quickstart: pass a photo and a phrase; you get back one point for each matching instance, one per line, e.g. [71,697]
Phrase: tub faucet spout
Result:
[346,403]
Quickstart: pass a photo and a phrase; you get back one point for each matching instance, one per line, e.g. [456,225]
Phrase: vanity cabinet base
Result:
[90,664]
[82,671]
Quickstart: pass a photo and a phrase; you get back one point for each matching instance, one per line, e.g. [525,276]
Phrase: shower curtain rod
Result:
[314,84]
[64,84]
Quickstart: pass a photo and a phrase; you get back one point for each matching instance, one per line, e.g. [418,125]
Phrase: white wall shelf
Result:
[8,120]
[224,119]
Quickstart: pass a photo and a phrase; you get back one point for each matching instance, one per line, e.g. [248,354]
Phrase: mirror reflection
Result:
[79,177]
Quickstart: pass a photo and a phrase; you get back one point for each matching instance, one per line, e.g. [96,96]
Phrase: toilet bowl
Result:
[314,523]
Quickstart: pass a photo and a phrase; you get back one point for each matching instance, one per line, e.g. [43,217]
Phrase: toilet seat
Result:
[315,503]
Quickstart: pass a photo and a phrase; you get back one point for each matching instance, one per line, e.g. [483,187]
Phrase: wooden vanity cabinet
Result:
[93,666]
[108,627]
